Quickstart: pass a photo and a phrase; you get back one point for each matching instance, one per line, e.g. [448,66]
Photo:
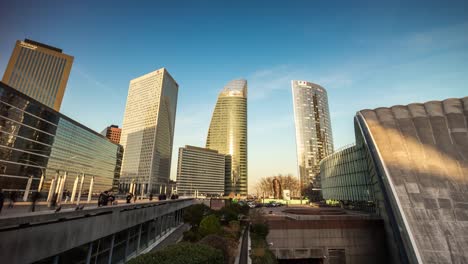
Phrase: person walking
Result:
[151,197]
[2,199]
[129,197]
[34,197]
[67,196]
[13,196]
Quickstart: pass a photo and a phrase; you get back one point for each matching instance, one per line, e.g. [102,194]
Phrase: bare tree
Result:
[264,186]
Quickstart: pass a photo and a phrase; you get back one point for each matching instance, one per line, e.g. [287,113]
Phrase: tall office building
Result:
[228,133]
[148,132]
[314,139]
[39,71]
[201,171]
[113,133]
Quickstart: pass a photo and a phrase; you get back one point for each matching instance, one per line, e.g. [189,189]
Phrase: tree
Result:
[209,225]
[220,243]
[288,182]
[195,213]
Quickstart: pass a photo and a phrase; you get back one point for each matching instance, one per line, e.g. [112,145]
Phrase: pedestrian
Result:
[2,199]
[129,197]
[34,197]
[67,196]
[134,198]
[151,197]
[100,199]
[111,198]
[12,199]
[53,202]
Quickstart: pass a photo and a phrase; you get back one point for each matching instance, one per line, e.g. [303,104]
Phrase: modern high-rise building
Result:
[148,132]
[314,139]
[113,133]
[201,171]
[39,71]
[228,133]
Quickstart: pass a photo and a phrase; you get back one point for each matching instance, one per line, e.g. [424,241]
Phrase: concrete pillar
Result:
[51,190]
[59,183]
[41,182]
[81,188]
[91,185]
[90,252]
[28,188]
[62,186]
[75,185]
[139,238]
[111,250]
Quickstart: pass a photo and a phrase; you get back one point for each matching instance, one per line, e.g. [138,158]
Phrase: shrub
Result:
[192,236]
[209,225]
[260,230]
[182,253]
[195,213]
[219,243]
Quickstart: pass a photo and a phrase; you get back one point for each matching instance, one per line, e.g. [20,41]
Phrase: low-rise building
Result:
[201,171]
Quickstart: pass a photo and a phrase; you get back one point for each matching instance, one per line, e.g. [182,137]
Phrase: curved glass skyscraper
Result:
[314,139]
[228,133]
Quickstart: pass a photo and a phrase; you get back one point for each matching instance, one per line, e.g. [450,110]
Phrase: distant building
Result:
[314,140]
[228,133]
[113,133]
[39,71]
[148,132]
[43,147]
[409,167]
[201,171]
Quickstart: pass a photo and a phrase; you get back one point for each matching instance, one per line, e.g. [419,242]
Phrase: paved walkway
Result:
[24,208]
[173,238]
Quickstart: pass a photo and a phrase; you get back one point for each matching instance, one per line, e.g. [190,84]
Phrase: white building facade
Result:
[148,132]
[201,171]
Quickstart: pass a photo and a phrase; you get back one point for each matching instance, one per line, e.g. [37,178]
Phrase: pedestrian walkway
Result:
[24,208]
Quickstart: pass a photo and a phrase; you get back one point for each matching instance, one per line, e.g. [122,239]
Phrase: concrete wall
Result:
[422,152]
[362,240]
[32,238]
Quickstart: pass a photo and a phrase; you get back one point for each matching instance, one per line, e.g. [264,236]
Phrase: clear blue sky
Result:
[366,54]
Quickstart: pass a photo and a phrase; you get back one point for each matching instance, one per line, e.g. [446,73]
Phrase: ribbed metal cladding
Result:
[39,71]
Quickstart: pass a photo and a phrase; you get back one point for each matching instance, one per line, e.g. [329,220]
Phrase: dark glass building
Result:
[46,148]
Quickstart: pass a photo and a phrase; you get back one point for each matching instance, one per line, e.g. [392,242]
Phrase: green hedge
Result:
[182,253]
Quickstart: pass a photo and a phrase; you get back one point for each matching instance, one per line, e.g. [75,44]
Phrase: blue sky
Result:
[366,54]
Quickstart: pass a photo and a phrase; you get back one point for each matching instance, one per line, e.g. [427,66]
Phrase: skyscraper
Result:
[148,132]
[314,139]
[228,133]
[39,71]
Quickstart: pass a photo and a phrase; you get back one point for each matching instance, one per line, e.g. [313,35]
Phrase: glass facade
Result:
[228,133]
[38,142]
[314,140]
[148,132]
[345,175]
[39,71]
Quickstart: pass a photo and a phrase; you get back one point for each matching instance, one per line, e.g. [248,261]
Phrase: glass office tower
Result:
[148,132]
[314,139]
[228,133]
[38,144]
[39,71]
